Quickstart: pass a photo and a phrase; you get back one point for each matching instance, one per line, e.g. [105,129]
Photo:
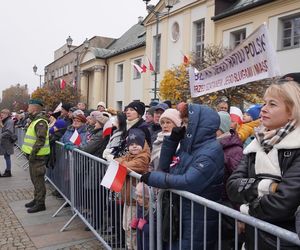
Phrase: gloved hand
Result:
[145,177]
[134,223]
[69,146]
[177,133]
[141,223]
[249,188]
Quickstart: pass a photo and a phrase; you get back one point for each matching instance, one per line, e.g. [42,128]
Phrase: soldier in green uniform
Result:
[36,147]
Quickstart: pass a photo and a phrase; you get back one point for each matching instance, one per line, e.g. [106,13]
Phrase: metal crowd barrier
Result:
[221,210]
[76,175]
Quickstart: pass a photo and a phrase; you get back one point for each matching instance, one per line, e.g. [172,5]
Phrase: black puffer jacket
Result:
[277,208]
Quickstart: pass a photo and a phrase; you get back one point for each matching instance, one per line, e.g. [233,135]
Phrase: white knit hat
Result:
[173,115]
[101,104]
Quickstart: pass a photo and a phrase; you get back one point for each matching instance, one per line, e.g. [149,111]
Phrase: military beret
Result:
[36,101]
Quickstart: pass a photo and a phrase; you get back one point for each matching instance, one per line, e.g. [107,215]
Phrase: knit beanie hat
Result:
[101,104]
[254,111]
[173,115]
[225,121]
[139,107]
[66,106]
[137,136]
[80,117]
[59,124]
[99,117]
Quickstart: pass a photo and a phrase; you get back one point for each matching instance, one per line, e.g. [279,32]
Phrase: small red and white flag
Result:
[144,68]
[150,67]
[62,83]
[107,129]
[75,138]
[74,83]
[114,177]
[138,68]
[236,115]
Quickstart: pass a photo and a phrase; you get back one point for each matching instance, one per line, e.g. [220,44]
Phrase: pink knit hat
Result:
[173,115]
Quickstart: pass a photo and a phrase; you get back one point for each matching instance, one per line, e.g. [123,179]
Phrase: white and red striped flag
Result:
[236,115]
[75,138]
[62,83]
[107,129]
[114,177]
[139,68]
[150,67]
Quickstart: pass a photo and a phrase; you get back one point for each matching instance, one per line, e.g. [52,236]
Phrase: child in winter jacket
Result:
[137,159]
[250,121]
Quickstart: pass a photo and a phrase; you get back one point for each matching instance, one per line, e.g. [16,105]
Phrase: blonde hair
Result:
[6,111]
[289,91]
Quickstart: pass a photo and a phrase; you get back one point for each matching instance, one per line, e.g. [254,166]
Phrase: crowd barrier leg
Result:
[69,222]
[59,209]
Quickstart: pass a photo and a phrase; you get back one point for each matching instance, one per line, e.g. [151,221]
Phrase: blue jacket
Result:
[82,131]
[199,170]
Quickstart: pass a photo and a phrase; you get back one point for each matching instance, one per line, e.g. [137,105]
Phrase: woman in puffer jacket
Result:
[198,168]
[267,181]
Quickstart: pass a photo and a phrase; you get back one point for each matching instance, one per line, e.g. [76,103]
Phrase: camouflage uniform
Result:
[37,163]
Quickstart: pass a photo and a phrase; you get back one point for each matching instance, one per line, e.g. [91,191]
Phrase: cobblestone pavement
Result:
[13,236]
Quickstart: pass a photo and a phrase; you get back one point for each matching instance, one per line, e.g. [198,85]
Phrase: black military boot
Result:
[30,204]
[36,208]
[7,173]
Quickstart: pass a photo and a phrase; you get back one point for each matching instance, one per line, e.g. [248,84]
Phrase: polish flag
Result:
[138,68]
[74,83]
[114,177]
[107,129]
[151,68]
[62,83]
[236,115]
[144,68]
[75,138]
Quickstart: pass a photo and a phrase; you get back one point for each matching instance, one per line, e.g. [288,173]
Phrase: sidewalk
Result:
[20,230]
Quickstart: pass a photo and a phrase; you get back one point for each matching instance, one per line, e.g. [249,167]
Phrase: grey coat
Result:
[6,146]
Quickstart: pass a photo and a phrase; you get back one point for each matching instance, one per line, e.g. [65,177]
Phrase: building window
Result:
[157,43]
[137,74]
[199,41]
[119,105]
[237,37]
[120,73]
[291,32]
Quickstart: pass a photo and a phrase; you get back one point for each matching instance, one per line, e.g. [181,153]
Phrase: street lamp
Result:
[35,72]
[151,10]
[86,45]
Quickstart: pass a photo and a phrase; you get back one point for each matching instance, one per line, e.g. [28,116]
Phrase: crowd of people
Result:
[251,164]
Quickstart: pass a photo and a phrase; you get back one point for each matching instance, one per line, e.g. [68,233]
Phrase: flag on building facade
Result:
[62,83]
[114,177]
[150,65]
[138,68]
[75,138]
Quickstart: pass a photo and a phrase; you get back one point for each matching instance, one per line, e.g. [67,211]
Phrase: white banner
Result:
[252,60]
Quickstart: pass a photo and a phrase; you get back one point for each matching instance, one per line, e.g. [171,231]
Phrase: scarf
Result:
[129,124]
[268,138]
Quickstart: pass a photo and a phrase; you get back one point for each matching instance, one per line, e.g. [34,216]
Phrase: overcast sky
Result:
[31,30]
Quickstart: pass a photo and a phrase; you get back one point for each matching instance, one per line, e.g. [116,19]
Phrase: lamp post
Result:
[35,72]
[151,10]
[86,45]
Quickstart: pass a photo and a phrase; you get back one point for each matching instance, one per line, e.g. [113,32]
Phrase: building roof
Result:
[240,6]
[133,38]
